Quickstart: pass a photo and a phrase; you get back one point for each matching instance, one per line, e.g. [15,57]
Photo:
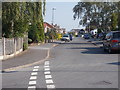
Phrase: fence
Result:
[10,46]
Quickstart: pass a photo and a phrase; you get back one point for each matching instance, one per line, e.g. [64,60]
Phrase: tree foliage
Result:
[16,17]
[103,15]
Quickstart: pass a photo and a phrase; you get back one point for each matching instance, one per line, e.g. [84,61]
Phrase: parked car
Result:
[86,36]
[112,42]
[65,37]
[101,36]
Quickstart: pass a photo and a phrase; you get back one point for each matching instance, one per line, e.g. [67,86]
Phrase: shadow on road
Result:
[114,63]
[90,50]
[71,43]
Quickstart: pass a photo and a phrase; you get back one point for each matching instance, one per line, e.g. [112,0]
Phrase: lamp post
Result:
[53,9]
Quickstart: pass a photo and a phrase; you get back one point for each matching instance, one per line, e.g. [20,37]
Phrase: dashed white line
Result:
[47,69]
[32,87]
[47,72]
[46,62]
[48,76]
[36,66]
[33,77]
[32,82]
[35,69]
[34,73]
[49,81]
[50,86]
[46,66]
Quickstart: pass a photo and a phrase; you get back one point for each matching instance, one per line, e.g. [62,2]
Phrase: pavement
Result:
[34,55]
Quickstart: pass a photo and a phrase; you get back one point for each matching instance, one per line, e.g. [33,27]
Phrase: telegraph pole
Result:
[53,9]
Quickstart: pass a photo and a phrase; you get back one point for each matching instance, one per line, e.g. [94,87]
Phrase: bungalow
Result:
[47,27]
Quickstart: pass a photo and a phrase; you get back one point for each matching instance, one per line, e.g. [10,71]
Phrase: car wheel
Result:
[104,48]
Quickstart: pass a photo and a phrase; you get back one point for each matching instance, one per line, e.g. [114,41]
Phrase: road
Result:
[75,64]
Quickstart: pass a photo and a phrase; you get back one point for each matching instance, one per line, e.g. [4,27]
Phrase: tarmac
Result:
[96,42]
[34,55]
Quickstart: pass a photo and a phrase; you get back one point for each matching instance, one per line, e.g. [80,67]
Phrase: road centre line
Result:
[47,69]
[49,81]
[32,87]
[48,76]
[36,66]
[33,77]
[46,66]
[35,69]
[47,72]
[50,86]
[34,73]
[46,62]
[32,82]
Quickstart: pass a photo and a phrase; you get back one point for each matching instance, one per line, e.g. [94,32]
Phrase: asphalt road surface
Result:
[75,64]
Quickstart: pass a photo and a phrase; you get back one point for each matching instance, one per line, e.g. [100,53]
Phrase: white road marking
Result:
[33,77]
[48,76]
[35,69]
[32,82]
[34,73]
[46,62]
[49,81]
[47,72]
[47,69]
[32,87]
[50,86]
[36,66]
[46,66]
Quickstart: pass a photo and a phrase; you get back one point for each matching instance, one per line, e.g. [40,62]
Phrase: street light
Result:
[53,9]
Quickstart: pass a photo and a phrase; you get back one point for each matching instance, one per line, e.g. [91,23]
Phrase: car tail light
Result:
[115,41]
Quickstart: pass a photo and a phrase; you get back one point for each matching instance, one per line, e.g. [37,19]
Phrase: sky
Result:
[63,15]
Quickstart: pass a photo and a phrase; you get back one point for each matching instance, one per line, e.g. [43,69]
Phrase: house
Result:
[59,30]
[47,27]
[75,31]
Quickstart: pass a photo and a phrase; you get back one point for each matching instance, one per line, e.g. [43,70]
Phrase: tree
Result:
[13,21]
[97,13]
[16,17]
[114,21]
[35,10]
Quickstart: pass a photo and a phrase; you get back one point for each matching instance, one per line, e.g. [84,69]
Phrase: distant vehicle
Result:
[65,37]
[70,37]
[112,42]
[101,36]
[86,36]
[81,31]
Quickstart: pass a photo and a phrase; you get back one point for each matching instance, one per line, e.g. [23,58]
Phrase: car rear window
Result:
[116,35]
[65,35]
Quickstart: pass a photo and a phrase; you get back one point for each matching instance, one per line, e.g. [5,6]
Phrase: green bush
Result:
[25,46]
[29,40]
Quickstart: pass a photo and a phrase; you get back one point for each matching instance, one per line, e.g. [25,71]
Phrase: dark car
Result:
[112,42]
[86,36]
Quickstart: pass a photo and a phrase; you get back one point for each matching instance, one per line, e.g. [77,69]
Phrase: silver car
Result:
[65,37]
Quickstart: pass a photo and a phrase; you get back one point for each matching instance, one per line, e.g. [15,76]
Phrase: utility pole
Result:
[53,9]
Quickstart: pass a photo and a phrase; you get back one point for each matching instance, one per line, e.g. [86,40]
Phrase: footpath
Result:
[34,55]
